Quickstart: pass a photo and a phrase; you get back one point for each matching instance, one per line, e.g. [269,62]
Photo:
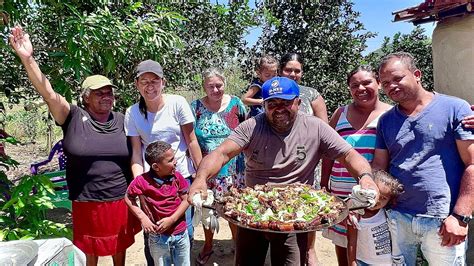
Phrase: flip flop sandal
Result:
[203,259]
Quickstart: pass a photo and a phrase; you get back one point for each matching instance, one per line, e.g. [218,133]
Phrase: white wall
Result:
[453,57]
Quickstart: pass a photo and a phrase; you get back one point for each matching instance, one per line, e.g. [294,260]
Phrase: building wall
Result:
[453,57]
[453,67]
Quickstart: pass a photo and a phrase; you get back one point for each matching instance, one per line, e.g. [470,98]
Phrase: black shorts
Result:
[251,248]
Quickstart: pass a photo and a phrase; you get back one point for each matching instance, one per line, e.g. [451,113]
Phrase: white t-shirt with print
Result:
[373,240]
[164,125]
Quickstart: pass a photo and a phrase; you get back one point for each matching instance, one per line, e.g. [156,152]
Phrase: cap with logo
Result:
[149,66]
[96,82]
[281,88]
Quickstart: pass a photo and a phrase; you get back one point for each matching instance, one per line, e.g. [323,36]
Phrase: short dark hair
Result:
[360,68]
[290,57]
[406,58]
[155,150]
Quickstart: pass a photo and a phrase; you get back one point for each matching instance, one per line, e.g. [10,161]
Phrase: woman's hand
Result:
[20,42]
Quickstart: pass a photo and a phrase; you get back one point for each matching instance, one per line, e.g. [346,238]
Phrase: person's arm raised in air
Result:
[58,106]
[319,108]
[212,164]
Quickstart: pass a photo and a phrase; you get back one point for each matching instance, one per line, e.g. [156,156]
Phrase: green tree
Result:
[87,38]
[74,39]
[212,36]
[327,34]
[417,43]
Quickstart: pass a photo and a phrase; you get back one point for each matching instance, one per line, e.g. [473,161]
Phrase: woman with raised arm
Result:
[98,164]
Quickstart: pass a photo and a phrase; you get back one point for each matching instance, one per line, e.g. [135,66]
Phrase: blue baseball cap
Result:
[281,88]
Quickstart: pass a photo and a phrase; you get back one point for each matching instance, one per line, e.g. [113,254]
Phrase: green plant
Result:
[30,126]
[417,43]
[22,206]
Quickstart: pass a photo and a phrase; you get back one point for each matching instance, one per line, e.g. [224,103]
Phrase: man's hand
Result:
[164,224]
[148,226]
[452,232]
[366,182]
[199,186]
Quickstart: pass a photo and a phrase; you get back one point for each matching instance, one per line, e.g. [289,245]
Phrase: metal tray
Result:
[220,211]
[219,208]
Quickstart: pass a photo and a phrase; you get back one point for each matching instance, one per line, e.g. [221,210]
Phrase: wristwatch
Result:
[462,218]
[365,174]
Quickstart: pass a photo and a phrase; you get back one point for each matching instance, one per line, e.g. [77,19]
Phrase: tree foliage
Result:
[23,205]
[74,39]
[327,34]
[416,43]
[212,36]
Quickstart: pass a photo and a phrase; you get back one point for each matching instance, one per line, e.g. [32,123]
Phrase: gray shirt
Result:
[286,158]
[307,95]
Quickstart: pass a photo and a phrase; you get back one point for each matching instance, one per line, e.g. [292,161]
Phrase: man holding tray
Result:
[282,146]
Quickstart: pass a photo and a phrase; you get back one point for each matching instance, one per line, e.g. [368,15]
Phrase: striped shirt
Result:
[363,141]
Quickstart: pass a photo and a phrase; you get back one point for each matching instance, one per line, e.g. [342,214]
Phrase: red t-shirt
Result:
[163,197]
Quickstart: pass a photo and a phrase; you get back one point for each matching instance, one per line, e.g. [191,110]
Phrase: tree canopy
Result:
[74,39]
[416,43]
[328,36]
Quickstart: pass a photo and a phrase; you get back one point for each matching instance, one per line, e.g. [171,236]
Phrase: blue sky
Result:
[376,15]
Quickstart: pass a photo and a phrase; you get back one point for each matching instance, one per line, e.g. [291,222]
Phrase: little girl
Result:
[370,243]
[267,68]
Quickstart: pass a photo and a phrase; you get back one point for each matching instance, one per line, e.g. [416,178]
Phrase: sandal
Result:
[203,259]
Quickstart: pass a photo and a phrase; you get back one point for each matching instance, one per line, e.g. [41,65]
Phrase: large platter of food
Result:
[282,208]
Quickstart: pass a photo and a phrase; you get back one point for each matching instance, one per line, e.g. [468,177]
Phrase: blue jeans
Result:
[410,232]
[189,222]
[189,217]
[361,263]
[167,250]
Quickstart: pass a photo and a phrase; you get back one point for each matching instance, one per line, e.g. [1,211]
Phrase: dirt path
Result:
[223,249]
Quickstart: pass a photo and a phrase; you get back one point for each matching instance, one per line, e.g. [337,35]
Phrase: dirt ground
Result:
[223,249]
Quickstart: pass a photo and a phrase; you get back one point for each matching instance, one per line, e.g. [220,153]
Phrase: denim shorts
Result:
[410,233]
[170,249]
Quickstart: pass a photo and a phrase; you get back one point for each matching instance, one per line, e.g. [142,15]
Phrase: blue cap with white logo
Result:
[281,88]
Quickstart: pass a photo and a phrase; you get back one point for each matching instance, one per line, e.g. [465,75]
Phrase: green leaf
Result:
[3,234]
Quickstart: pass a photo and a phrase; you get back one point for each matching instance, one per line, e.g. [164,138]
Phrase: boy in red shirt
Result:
[163,198]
